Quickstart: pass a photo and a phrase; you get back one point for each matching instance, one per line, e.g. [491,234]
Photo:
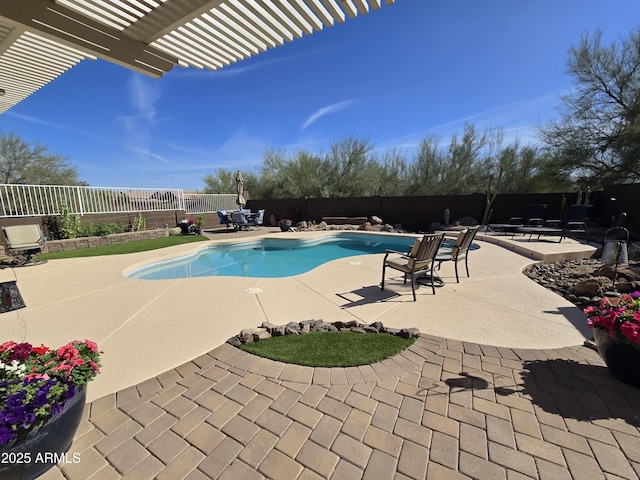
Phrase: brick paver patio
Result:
[441,409]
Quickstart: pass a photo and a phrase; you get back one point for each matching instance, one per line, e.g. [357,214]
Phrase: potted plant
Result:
[200,221]
[616,330]
[186,226]
[285,224]
[42,398]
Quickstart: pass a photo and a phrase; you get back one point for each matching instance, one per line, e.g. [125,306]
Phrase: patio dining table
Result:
[246,215]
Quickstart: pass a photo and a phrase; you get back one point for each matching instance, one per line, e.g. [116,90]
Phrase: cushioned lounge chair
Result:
[24,242]
[257,220]
[224,220]
[460,250]
[418,261]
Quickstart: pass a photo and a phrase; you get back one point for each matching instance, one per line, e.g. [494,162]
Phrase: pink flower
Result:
[68,352]
[7,345]
[37,376]
[631,331]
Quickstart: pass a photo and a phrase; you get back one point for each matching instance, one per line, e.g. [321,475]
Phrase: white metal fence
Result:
[43,200]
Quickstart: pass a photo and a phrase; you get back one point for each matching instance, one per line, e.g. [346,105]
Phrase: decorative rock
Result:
[574,279]
[260,334]
[175,231]
[375,220]
[409,332]
[292,328]
[591,287]
[302,225]
[357,330]
[322,225]
[378,326]
[365,226]
[235,341]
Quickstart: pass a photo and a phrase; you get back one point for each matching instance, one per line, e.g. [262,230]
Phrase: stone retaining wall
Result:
[116,238]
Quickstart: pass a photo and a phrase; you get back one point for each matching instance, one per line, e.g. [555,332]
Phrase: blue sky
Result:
[394,76]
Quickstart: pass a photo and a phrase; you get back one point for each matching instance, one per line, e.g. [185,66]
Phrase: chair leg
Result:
[456,264]
[384,266]
[466,263]
[413,285]
[433,283]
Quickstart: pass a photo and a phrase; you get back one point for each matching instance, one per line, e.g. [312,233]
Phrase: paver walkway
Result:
[441,409]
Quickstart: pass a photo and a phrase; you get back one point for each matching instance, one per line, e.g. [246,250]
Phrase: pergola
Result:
[41,39]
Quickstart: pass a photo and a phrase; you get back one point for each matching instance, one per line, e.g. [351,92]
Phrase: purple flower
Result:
[6,435]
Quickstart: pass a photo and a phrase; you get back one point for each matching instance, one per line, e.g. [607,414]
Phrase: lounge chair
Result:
[419,260]
[24,242]
[573,222]
[460,250]
[257,220]
[224,220]
[534,216]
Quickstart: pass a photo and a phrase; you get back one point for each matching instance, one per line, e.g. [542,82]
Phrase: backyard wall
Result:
[415,213]
[418,212]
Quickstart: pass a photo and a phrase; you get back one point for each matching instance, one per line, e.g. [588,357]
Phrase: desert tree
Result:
[33,164]
[597,140]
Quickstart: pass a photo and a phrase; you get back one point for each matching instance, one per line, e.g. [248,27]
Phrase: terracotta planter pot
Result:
[44,446]
[622,359]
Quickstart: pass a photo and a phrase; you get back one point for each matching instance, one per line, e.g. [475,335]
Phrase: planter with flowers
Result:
[284,224]
[42,398]
[187,225]
[616,331]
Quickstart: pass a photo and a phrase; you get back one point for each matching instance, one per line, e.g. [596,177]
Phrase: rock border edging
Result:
[268,330]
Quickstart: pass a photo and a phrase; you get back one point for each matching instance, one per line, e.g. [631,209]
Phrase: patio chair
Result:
[257,220]
[460,250]
[418,261]
[224,220]
[239,220]
[24,242]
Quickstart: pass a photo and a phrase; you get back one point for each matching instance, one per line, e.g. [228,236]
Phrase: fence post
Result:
[80,206]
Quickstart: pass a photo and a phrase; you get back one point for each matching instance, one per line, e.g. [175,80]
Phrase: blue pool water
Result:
[271,258]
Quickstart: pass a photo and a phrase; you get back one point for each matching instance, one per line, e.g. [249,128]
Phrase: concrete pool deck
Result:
[150,324]
[510,393]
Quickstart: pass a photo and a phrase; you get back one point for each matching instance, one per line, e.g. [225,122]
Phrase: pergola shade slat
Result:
[41,39]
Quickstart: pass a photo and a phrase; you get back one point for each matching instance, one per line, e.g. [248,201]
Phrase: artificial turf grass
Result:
[329,349]
[122,248]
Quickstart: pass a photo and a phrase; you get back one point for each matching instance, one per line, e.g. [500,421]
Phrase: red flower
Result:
[41,350]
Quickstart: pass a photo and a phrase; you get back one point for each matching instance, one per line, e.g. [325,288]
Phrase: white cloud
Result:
[144,94]
[333,108]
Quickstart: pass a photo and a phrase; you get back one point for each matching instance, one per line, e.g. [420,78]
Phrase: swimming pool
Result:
[271,257]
